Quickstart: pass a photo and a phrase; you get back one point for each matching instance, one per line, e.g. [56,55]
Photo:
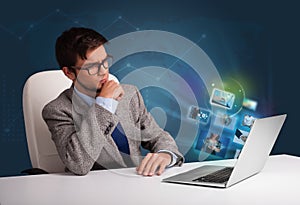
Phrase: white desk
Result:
[278,183]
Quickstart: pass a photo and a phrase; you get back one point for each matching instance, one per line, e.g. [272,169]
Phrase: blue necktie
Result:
[120,139]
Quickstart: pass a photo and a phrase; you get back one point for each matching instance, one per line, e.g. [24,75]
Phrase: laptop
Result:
[251,160]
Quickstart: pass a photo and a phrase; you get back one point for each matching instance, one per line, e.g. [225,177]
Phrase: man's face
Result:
[91,84]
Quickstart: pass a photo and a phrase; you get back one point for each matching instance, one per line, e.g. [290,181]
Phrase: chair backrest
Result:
[39,89]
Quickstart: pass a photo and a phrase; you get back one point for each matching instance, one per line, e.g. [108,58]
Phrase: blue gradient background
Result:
[253,42]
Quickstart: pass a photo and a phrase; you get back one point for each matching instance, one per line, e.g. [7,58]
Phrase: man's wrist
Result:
[173,157]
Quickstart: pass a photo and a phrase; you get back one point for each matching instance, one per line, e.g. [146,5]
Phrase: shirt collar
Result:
[89,100]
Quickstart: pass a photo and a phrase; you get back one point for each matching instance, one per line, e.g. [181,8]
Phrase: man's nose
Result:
[101,74]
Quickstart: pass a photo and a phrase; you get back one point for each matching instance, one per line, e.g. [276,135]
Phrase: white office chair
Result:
[39,89]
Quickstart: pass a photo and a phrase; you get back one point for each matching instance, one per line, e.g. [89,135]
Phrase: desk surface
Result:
[278,183]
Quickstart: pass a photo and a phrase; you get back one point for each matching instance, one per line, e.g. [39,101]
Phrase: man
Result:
[98,123]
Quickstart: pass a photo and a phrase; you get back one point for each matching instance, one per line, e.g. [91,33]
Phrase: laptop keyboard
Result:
[219,176]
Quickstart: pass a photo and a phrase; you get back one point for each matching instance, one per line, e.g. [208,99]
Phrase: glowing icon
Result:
[222,98]
[199,114]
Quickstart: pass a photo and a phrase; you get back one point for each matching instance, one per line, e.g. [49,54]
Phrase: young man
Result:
[98,123]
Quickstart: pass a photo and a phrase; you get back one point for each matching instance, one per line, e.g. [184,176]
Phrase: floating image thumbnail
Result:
[199,114]
[222,98]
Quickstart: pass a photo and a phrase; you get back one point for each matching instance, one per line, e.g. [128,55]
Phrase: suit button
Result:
[106,132]
[111,124]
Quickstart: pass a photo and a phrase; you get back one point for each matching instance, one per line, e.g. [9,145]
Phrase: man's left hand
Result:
[154,163]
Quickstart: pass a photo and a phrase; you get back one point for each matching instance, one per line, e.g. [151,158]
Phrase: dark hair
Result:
[76,42]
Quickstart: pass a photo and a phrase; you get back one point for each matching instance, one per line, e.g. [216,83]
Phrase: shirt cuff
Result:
[174,157]
[107,103]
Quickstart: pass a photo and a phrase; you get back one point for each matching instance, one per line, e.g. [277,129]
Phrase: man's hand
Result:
[111,89]
[154,163]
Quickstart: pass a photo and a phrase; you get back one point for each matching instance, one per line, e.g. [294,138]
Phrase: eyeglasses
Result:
[94,68]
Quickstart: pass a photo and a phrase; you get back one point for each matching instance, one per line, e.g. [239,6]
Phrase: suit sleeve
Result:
[79,139]
[153,137]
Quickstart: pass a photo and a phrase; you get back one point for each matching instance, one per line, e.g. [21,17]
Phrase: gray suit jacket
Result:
[82,134]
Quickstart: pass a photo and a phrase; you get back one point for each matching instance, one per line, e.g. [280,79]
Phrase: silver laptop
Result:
[251,160]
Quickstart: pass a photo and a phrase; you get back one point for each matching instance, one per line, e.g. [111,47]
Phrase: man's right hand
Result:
[111,89]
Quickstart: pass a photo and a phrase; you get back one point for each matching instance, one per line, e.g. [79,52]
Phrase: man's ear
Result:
[70,74]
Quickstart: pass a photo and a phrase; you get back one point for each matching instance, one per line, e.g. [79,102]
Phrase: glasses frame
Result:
[99,65]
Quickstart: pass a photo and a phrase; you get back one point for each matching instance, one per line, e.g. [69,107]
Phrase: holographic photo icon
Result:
[222,98]
[199,114]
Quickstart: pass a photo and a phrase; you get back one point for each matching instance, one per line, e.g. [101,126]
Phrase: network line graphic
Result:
[9,122]
[9,126]
[59,12]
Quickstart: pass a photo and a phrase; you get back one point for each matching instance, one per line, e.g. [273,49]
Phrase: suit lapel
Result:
[132,133]
[81,108]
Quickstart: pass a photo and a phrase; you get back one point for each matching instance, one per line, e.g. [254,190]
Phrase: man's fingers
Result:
[157,163]
[118,93]
[112,89]
[150,164]
[162,167]
[141,167]
[154,163]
